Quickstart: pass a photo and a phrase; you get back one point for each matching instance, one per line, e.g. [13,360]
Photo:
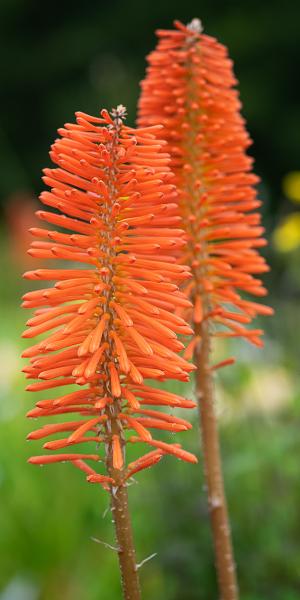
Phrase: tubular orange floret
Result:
[108,324]
[144,462]
[189,89]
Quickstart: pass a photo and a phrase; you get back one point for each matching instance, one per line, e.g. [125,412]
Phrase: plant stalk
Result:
[225,565]
[120,510]
[124,539]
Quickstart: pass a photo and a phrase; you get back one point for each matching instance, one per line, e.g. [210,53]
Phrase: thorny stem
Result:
[213,468]
[118,490]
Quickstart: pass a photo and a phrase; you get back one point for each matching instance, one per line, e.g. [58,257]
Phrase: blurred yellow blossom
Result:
[286,236]
[291,186]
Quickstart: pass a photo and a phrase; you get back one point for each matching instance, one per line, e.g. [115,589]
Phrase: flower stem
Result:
[119,506]
[124,538]
[225,565]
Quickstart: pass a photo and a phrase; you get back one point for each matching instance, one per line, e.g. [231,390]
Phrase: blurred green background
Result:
[59,58]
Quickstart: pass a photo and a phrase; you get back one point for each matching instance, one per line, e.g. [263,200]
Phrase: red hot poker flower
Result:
[109,319]
[189,89]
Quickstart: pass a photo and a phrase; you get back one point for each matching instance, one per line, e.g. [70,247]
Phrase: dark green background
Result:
[61,57]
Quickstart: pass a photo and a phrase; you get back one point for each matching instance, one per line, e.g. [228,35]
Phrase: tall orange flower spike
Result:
[189,89]
[112,311]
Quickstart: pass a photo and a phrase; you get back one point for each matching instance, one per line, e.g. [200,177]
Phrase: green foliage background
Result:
[70,56]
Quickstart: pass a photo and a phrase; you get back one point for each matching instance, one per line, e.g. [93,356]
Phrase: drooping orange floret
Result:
[109,319]
[189,89]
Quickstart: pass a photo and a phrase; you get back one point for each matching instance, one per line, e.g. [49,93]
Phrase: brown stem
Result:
[213,469]
[119,507]
[124,538]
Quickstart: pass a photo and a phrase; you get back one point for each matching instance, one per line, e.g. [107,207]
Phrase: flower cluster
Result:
[189,89]
[109,319]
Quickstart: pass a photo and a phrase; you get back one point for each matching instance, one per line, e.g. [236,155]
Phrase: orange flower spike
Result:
[113,187]
[112,312]
[189,89]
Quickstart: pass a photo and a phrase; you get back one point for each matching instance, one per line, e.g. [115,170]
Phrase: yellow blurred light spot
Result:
[291,186]
[286,236]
